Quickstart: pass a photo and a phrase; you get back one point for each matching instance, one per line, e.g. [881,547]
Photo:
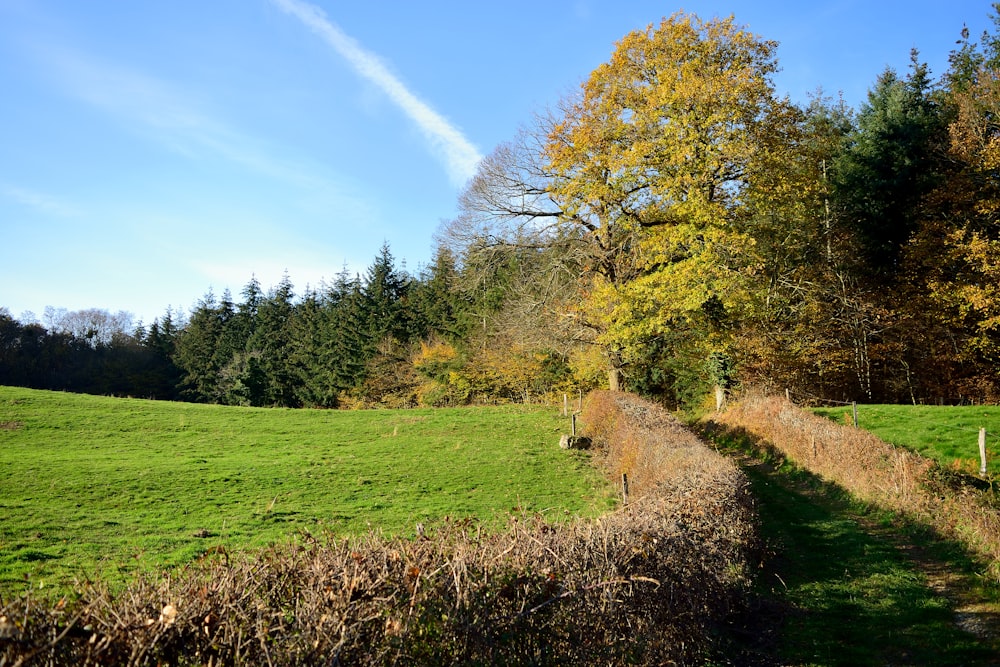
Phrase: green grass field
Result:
[100,487]
[948,434]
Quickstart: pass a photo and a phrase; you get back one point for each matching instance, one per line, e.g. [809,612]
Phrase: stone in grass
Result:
[574,442]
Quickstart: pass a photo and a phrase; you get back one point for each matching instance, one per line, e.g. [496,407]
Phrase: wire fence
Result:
[986,440]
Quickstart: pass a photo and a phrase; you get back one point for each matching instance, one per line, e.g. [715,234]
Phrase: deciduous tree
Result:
[653,163]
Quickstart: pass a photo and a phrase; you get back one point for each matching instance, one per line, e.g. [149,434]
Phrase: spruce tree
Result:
[196,348]
[271,344]
[889,166]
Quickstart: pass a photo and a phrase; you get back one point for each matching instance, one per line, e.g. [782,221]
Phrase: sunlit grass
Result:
[836,577]
[93,486]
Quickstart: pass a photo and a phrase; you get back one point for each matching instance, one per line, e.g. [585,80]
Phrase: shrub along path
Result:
[844,584]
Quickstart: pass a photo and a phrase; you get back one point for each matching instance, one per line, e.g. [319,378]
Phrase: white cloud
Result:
[38,201]
[459,155]
[173,118]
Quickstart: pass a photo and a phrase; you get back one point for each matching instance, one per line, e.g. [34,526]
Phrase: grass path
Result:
[841,585]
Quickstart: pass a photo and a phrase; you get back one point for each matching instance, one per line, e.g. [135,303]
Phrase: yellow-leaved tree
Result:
[635,191]
[654,162]
[968,261]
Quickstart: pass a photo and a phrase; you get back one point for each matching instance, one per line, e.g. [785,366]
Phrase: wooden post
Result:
[788,395]
[814,445]
[624,489]
[854,406]
[574,423]
[565,405]
[982,452]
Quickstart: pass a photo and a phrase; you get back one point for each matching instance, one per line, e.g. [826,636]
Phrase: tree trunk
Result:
[720,398]
[615,379]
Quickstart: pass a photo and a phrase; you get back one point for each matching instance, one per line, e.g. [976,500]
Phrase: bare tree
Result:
[509,209]
[95,325]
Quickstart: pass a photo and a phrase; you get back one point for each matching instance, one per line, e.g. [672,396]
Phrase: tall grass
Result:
[874,471]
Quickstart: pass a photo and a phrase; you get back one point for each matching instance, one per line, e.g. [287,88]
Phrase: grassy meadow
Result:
[948,434]
[99,487]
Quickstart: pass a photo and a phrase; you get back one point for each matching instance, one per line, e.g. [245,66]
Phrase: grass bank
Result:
[842,585]
[947,434]
[97,487]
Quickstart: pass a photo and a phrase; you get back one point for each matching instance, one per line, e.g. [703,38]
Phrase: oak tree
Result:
[653,163]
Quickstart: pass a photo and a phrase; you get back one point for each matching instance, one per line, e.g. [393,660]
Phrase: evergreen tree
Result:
[271,344]
[437,305]
[385,289]
[228,345]
[241,376]
[345,335]
[888,168]
[312,354]
[195,351]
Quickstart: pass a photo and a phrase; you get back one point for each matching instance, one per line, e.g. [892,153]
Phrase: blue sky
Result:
[150,151]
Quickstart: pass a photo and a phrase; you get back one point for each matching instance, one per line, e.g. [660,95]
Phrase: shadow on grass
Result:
[839,586]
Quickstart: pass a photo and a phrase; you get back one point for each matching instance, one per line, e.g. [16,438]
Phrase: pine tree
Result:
[271,344]
[384,291]
[345,334]
[196,348]
[312,353]
[437,304]
[888,167]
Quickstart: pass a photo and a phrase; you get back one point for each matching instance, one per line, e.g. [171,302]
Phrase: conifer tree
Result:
[384,291]
[270,345]
[888,167]
[345,332]
[195,350]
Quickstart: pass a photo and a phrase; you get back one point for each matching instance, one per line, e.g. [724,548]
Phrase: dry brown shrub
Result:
[646,584]
[872,470]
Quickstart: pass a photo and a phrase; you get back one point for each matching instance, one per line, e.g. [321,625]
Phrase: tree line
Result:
[384,338]
[671,227]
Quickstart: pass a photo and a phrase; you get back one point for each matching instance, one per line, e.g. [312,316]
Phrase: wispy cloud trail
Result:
[36,200]
[459,155]
[168,115]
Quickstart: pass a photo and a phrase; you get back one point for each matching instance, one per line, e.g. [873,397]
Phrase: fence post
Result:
[982,452]
[624,489]
[574,423]
[565,404]
[854,406]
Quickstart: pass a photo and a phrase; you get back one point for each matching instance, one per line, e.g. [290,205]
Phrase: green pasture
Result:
[948,434]
[100,487]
